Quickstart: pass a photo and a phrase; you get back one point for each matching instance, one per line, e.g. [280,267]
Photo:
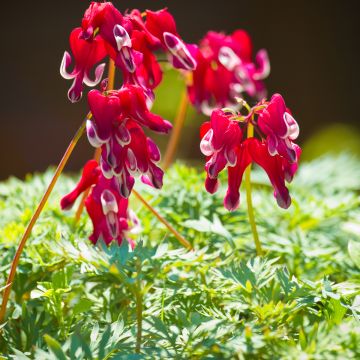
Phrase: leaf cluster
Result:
[72,300]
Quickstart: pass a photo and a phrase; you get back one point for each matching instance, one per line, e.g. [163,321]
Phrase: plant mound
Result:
[73,300]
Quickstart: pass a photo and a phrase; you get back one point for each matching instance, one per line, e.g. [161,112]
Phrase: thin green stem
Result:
[139,307]
[176,132]
[178,236]
[246,105]
[35,216]
[259,251]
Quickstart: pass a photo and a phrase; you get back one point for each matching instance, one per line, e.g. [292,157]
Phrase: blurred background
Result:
[313,48]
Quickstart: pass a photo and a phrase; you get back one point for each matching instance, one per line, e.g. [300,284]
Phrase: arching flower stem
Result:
[178,236]
[35,216]
[111,75]
[259,251]
[176,132]
[139,307]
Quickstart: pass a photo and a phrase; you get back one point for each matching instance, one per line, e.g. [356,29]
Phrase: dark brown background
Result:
[313,47]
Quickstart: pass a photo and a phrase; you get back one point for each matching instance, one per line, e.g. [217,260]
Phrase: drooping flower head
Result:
[117,117]
[116,127]
[274,150]
[280,128]
[221,139]
[225,70]
[131,40]
[109,212]
[161,24]
[86,56]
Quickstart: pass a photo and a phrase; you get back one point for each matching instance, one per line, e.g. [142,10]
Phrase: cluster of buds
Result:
[226,145]
[117,117]
[225,70]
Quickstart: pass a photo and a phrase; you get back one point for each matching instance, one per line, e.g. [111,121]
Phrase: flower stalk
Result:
[139,308]
[174,141]
[259,251]
[177,130]
[35,216]
[178,236]
[111,75]
[97,153]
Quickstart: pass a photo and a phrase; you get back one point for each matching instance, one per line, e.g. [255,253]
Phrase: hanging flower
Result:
[148,71]
[225,71]
[223,145]
[161,24]
[109,212]
[102,17]
[248,75]
[86,55]
[115,126]
[136,158]
[118,117]
[131,41]
[151,32]
[111,111]
[280,128]
[105,19]
[274,167]
[220,142]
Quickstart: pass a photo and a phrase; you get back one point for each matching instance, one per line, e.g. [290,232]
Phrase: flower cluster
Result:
[131,40]
[111,218]
[225,144]
[225,70]
[116,127]
[118,117]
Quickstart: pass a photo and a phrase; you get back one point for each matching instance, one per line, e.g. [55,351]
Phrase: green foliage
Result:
[71,300]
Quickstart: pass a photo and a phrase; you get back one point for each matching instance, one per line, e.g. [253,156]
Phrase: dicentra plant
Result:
[218,72]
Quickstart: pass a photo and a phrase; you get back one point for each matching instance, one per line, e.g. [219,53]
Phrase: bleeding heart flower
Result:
[222,143]
[274,168]
[116,30]
[131,41]
[89,177]
[102,17]
[137,157]
[225,71]
[112,109]
[87,55]
[161,24]
[111,218]
[235,175]
[115,126]
[280,128]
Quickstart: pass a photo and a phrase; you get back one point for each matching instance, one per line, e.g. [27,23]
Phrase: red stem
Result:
[34,218]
